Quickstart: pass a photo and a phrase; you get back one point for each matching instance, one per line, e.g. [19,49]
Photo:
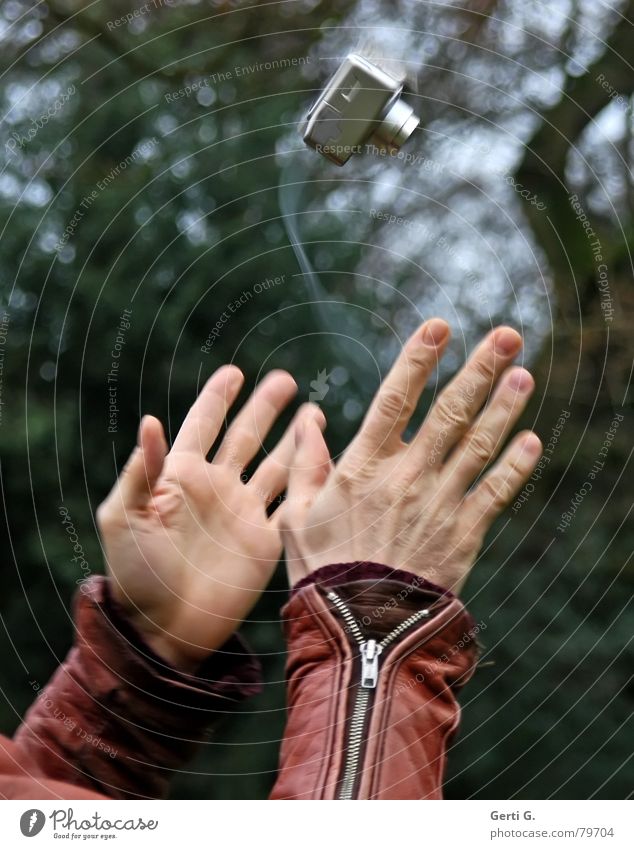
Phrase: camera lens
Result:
[398,125]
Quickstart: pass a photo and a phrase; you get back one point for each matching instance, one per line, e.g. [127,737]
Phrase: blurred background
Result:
[151,175]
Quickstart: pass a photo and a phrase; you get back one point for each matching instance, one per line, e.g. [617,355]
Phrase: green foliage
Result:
[170,208]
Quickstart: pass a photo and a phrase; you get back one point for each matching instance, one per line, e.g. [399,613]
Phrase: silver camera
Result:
[360,103]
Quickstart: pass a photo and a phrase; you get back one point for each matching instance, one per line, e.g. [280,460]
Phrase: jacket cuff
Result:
[231,673]
[365,570]
[381,733]
[381,598]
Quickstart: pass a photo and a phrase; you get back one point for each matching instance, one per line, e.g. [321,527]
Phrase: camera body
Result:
[361,102]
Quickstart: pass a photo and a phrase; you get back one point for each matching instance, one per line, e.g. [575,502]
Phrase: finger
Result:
[487,436]
[270,478]
[310,467]
[399,393]
[501,484]
[248,430]
[452,414]
[141,472]
[310,470]
[206,415]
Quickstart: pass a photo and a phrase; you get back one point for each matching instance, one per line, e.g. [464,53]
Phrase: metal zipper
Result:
[370,651]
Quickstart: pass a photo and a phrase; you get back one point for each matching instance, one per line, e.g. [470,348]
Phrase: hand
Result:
[410,504]
[189,546]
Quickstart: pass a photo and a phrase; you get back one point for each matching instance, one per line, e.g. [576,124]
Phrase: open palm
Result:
[188,543]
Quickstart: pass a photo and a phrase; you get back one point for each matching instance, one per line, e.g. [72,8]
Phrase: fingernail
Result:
[521,380]
[232,375]
[319,418]
[532,445]
[435,332]
[506,341]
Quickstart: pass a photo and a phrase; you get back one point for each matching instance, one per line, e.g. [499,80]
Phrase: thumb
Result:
[309,472]
[144,465]
[311,465]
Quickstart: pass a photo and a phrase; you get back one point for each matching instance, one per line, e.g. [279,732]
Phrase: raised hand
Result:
[188,544]
[411,505]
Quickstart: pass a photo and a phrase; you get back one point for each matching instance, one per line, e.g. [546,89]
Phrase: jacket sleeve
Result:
[374,729]
[115,720]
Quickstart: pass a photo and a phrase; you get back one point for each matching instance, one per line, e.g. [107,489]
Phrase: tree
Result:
[139,213]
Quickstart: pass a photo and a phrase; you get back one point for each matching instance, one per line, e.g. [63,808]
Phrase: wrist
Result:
[144,632]
[170,652]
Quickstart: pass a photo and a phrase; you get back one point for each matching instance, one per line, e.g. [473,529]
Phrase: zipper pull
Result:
[370,652]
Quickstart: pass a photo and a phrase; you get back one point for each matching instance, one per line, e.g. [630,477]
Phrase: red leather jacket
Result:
[375,657]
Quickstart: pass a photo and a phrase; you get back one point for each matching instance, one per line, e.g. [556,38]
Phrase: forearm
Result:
[387,739]
[115,719]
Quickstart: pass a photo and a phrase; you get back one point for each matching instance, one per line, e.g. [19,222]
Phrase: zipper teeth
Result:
[360,710]
[351,622]
[411,620]
[355,738]
[349,619]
